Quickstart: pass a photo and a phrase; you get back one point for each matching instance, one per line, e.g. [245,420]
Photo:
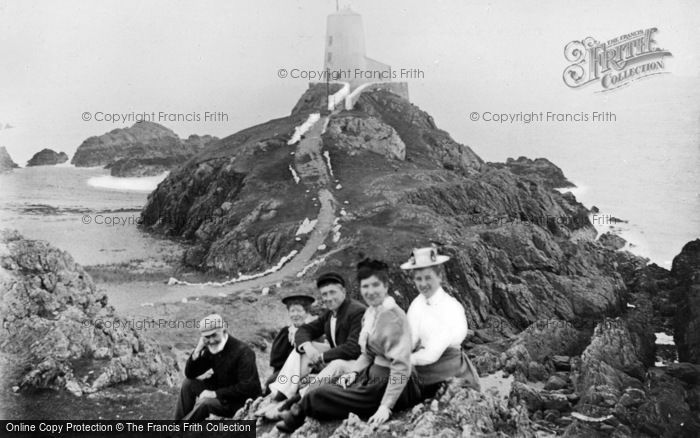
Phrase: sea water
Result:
[643,167]
[84,211]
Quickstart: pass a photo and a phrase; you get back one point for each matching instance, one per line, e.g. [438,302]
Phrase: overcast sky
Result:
[60,59]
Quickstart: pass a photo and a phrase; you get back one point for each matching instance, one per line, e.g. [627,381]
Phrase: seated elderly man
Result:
[234,377]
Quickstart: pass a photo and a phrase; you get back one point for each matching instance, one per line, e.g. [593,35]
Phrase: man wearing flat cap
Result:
[233,380]
[340,323]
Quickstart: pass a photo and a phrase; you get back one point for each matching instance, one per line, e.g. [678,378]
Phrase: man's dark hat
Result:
[306,300]
[330,277]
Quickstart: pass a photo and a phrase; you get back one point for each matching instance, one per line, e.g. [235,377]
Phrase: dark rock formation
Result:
[144,149]
[540,169]
[607,367]
[215,200]
[47,157]
[63,330]
[686,271]
[6,162]
[612,241]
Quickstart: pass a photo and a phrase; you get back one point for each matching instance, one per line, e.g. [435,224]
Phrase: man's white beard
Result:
[213,349]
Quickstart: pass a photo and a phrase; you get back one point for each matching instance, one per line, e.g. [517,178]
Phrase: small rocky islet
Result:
[47,157]
[144,149]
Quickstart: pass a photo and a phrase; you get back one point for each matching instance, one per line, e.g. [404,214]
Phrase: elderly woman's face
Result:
[373,290]
[297,314]
[427,281]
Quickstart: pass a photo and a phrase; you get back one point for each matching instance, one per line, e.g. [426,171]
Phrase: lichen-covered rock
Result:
[63,329]
[665,411]
[538,344]
[352,134]
[528,396]
[609,366]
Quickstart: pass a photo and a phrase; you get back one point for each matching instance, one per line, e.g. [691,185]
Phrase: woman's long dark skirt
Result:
[362,398]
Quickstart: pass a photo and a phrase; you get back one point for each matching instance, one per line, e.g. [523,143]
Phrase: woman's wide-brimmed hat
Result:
[423,258]
[306,300]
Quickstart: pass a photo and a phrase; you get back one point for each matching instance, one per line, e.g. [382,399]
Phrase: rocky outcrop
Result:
[144,149]
[454,411]
[63,330]
[607,367]
[352,134]
[612,241]
[6,162]
[686,272]
[47,157]
[540,169]
[618,395]
[425,142]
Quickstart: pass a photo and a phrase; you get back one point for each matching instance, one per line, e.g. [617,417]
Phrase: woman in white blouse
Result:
[438,326]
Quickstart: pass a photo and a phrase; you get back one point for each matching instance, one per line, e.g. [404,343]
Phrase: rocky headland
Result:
[144,149]
[6,162]
[571,319]
[47,157]
[62,330]
[540,169]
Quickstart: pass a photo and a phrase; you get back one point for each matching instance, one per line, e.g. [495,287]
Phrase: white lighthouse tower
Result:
[345,47]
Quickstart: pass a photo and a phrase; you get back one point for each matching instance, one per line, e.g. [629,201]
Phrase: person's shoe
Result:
[292,420]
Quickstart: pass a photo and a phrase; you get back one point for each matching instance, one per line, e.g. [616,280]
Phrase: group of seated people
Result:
[370,360]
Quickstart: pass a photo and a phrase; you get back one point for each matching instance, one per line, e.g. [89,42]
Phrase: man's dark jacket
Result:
[235,377]
[347,331]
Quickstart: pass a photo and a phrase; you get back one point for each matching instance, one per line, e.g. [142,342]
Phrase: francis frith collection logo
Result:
[616,62]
